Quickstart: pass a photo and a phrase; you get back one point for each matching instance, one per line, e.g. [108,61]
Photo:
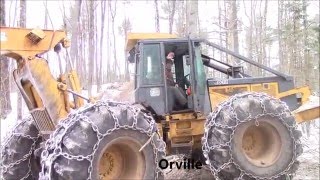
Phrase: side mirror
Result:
[132,55]
[131,58]
[136,57]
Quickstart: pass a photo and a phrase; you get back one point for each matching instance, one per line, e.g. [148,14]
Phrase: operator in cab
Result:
[177,97]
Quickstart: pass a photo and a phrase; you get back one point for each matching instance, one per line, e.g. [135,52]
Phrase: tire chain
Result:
[5,168]
[211,122]
[55,141]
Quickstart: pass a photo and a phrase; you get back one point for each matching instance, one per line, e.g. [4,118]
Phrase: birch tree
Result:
[102,20]
[23,7]
[192,18]
[157,17]
[75,38]
[83,63]
[108,39]
[180,20]
[5,103]
[232,29]
[169,9]
[91,29]
[124,29]
[113,11]
[278,32]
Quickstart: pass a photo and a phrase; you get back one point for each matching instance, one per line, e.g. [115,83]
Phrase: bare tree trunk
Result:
[91,30]
[172,8]
[249,32]
[181,19]
[264,34]
[216,74]
[193,18]
[124,30]
[235,28]
[5,102]
[23,7]
[258,44]
[294,58]
[108,45]
[113,15]
[75,56]
[227,30]
[100,75]
[157,21]
[305,42]
[253,36]
[96,59]
[280,34]
[232,28]
[84,47]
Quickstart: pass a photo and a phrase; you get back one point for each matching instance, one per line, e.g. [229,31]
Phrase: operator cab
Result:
[151,86]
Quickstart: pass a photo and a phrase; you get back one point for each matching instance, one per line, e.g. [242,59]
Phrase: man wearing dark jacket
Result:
[174,91]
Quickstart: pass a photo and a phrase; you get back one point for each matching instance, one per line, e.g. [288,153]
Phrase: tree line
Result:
[94,31]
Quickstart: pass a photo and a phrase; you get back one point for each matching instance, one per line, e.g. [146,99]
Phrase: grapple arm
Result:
[23,43]
[309,110]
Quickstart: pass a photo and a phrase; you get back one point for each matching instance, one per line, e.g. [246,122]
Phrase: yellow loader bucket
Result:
[309,111]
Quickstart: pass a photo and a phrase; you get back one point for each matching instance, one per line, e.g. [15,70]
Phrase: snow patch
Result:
[309,159]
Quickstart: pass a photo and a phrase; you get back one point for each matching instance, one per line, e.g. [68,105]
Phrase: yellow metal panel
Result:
[182,116]
[307,114]
[37,97]
[178,140]
[305,92]
[269,88]
[16,44]
[75,86]
[186,128]
[134,37]
[219,94]
[47,88]
[27,87]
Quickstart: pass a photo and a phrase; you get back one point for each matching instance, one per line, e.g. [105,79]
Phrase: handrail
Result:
[247,60]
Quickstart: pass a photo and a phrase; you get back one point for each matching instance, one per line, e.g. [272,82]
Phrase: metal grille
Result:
[43,121]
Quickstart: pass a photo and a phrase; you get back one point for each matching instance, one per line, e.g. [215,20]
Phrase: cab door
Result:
[150,90]
[198,76]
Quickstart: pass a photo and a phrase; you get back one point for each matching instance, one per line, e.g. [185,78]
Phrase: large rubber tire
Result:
[17,152]
[104,141]
[252,136]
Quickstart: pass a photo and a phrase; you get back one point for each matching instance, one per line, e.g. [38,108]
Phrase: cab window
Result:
[151,64]
[199,71]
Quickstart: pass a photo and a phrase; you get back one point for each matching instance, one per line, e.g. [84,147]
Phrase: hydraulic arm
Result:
[46,97]
[233,71]
[21,43]
[301,115]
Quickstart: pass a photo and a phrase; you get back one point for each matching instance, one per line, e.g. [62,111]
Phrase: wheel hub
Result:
[249,143]
[107,164]
[121,160]
[111,164]
[261,144]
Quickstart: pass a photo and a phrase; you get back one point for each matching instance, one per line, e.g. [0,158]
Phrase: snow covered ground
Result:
[309,160]
[109,91]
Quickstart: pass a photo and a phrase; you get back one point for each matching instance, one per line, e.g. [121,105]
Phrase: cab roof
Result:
[133,38]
